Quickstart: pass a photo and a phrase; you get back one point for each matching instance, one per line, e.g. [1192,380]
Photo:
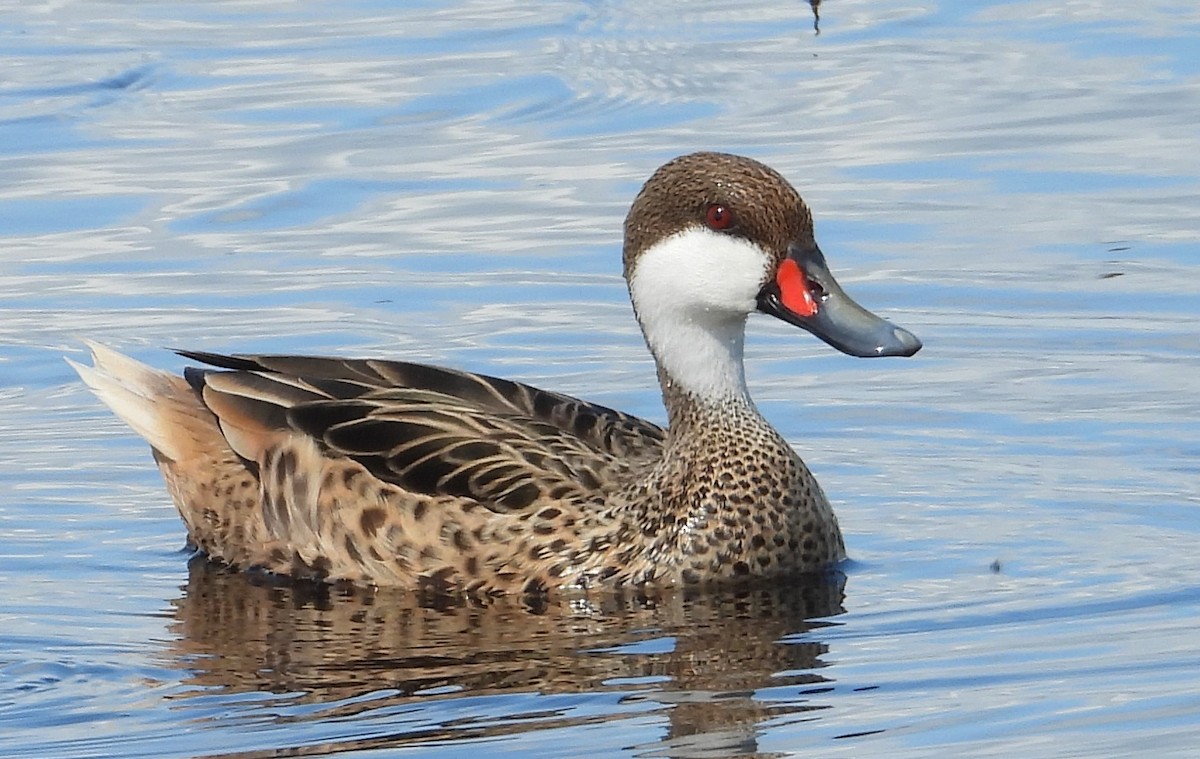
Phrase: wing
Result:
[431,430]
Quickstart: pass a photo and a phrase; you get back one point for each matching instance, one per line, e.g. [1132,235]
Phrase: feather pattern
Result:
[436,431]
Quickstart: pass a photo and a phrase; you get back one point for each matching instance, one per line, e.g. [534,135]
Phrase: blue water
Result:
[1016,182]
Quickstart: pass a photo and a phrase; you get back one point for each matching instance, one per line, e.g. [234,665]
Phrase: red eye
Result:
[718,217]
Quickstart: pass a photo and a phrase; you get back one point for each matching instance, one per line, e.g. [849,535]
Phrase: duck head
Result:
[713,237]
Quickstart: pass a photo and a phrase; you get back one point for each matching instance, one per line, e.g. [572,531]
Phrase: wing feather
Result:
[433,430]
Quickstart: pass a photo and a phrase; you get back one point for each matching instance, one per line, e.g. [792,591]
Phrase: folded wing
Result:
[430,430]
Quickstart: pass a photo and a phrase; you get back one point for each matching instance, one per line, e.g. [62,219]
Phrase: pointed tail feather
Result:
[160,407]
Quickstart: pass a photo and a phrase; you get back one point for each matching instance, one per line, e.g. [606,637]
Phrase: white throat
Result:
[692,292]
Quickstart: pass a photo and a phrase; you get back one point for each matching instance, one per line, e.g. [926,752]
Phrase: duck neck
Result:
[692,292]
[700,365]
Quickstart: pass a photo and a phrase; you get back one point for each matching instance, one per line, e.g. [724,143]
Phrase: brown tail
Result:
[217,496]
[160,407]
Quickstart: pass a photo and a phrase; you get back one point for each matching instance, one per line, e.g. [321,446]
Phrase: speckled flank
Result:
[400,474]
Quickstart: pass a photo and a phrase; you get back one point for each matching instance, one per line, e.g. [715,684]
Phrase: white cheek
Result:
[698,271]
[692,293]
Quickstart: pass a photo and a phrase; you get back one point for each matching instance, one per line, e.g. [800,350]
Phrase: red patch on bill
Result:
[793,289]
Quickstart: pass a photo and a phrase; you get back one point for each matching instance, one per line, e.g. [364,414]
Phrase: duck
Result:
[392,473]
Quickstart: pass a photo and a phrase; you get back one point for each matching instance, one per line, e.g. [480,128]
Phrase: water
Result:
[1018,183]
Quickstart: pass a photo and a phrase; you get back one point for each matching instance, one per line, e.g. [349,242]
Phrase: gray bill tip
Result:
[903,343]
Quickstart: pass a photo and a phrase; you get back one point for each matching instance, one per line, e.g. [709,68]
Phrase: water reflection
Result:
[700,661]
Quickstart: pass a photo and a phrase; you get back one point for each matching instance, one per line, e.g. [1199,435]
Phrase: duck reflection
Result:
[713,664]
